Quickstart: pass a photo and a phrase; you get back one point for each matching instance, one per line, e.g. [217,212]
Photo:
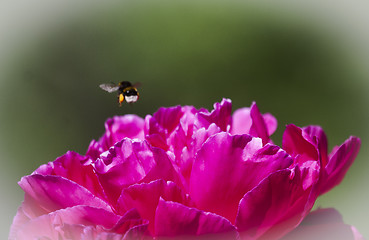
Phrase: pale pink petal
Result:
[299,145]
[271,123]
[221,116]
[339,163]
[322,224]
[130,162]
[139,232]
[226,167]
[357,234]
[278,204]
[65,223]
[91,233]
[176,220]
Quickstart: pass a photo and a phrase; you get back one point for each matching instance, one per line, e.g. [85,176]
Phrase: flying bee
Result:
[126,91]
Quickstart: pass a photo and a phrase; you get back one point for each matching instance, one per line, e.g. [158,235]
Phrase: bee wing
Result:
[137,85]
[109,87]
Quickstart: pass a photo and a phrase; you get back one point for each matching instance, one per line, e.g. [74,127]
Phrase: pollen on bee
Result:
[121,98]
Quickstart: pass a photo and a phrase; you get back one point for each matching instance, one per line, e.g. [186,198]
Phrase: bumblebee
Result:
[126,91]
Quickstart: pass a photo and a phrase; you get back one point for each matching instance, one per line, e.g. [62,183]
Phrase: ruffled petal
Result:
[299,145]
[339,163]
[221,116]
[175,220]
[130,162]
[119,127]
[226,167]
[159,126]
[278,204]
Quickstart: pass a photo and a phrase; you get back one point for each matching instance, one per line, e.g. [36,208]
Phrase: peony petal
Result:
[322,224]
[145,197]
[119,127]
[221,116]
[174,219]
[91,233]
[258,127]
[94,150]
[72,166]
[130,162]
[226,167]
[130,219]
[299,145]
[188,154]
[339,163]
[51,193]
[168,118]
[66,223]
[278,204]
[161,124]
[317,134]
[139,232]
[271,123]
[242,122]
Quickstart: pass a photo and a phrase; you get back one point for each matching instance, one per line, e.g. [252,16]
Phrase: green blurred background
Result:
[303,62]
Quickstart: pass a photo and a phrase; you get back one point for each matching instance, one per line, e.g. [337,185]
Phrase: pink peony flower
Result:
[183,172]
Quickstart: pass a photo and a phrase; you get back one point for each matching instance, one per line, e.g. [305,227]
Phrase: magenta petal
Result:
[161,124]
[174,219]
[242,122]
[258,127]
[317,134]
[130,162]
[323,224]
[221,116]
[119,127]
[226,167]
[168,118]
[72,166]
[278,204]
[339,163]
[145,197]
[130,219]
[299,145]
